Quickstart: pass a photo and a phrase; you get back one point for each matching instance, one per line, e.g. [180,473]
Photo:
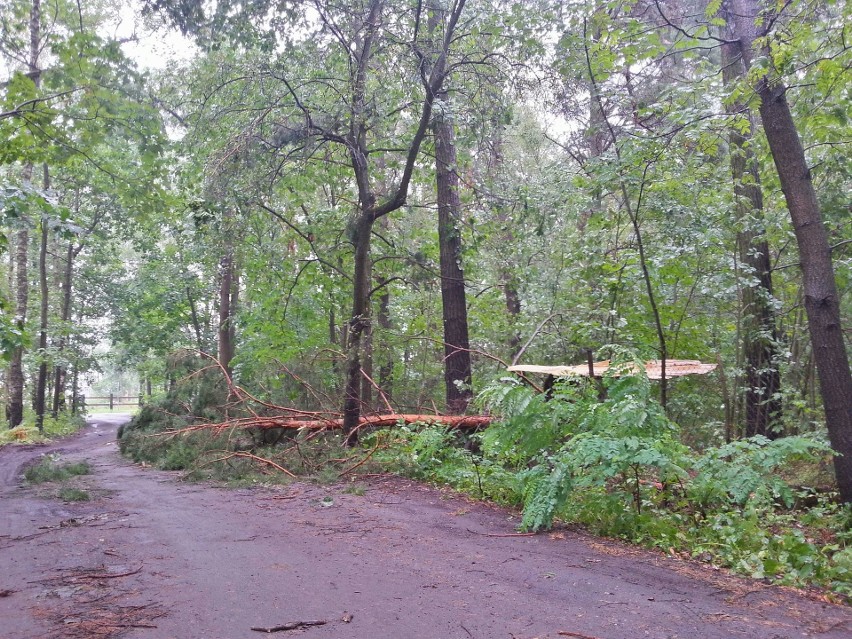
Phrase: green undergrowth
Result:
[162,436]
[69,493]
[617,467]
[49,469]
[27,433]
[60,477]
[235,457]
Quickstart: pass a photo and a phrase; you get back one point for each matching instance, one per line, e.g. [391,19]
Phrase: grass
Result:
[27,433]
[359,490]
[48,470]
[68,493]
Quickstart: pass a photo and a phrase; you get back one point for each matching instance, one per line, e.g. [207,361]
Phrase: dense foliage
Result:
[617,468]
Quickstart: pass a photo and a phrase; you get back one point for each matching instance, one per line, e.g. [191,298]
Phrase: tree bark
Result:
[41,383]
[60,370]
[227,298]
[457,366]
[357,324]
[15,410]
[369,209]
[759,326]
[822,302]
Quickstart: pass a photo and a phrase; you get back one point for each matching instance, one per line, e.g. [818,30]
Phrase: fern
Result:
[544,493]
[529,425]
[741,470]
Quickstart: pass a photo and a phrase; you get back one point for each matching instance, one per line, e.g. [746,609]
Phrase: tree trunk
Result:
[75,389]
[227,286]
[822,302]
[367,359]
[383,320]
[196,323]
[60,371]
[15,410]
[758,326]
[506,270]
[457,367]
[357,325]
[41,384]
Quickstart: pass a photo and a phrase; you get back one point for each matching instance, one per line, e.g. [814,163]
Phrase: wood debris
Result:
[293,625]
[653,368]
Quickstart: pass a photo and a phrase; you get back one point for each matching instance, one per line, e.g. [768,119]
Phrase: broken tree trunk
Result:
[461,422]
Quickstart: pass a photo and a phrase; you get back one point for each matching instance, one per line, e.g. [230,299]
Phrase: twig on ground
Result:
[256,458]
[293,625]
[527,534]
[107,575]
[360,463]
[578,635]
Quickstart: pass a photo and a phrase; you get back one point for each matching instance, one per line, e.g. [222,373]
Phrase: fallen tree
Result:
[245,411]
[460,422]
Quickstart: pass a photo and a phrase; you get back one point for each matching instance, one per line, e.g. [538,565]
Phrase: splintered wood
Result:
[262,422]
[653,368]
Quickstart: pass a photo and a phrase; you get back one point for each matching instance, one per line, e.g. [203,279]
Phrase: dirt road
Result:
[153,557]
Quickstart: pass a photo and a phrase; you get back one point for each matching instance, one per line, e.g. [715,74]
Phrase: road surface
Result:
[153,557]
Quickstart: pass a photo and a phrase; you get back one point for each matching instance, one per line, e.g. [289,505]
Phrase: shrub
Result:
[617,466]
[48,470]
[68,493]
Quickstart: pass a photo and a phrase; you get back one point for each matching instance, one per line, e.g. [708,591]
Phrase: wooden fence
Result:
[111,401]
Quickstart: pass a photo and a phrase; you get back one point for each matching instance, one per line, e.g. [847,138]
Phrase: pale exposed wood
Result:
[453,421]
[653,368]
[461,422]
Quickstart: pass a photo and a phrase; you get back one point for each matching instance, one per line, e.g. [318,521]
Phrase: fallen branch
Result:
[360,463]
[262,460]
[460,422]
[130,625]
[293,625]
[107,575]
[568,633]
[526,534]
[453,421]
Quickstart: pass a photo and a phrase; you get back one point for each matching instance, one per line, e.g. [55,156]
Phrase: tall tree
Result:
[752,25]
[369,208]
[41,379]
[15,411]
[759,325]
[457,367]
[228,293]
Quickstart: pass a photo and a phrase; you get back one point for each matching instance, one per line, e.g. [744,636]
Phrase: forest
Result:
[318,213]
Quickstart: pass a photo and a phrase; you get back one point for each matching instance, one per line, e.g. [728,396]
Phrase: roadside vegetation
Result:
[601,456]
[54,427]
[48,469]
[60,477]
